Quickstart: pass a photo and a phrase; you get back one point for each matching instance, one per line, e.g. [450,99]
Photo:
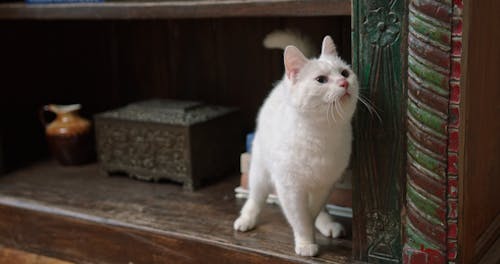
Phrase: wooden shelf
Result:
[175,9]
[80,214]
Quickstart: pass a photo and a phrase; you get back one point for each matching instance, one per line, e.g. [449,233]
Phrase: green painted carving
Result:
[426,160]
[382,27]
[428,208]
[426,27]
[435,81]
[429,119]
[416,238]
[379,156]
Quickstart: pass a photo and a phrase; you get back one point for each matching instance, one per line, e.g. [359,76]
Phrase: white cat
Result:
[302,144]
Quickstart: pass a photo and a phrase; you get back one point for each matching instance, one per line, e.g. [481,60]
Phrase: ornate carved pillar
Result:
[434,50]
[379,48]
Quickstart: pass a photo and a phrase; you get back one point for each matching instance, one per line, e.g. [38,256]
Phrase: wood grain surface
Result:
[378,159]
[479,169]
[175,9]
[9,255]
[82,215]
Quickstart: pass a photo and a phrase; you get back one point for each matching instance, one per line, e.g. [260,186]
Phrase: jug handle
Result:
[41,114]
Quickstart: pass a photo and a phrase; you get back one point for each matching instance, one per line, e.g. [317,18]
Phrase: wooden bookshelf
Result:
[80,214]
[110,54]
[175,9]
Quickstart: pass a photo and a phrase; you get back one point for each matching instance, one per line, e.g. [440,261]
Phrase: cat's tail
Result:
[280,39]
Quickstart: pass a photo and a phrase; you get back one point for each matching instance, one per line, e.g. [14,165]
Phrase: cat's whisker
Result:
[337,102]
[371,109]
[331,111]
[327,114]
[339,110]
[367,102]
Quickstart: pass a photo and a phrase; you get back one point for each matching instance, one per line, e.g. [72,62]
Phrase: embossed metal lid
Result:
[166,111]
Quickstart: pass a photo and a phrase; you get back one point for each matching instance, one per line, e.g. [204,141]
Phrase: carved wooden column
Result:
[379,49]
[434,50]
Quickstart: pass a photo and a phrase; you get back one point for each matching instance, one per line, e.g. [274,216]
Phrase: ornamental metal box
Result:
[182,141]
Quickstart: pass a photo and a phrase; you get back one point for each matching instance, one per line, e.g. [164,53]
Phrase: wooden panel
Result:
[378,160]
[479,169]
[492,256]
[83,241]
[82,215]
[9,255]
[175,9]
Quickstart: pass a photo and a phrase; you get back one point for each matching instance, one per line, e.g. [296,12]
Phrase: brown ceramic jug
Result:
[69,136]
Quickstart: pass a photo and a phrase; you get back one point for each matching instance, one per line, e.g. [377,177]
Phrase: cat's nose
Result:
[343,83]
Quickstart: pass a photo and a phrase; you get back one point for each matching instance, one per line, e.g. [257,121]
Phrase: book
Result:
[249,141]
[339,204]
[335,210]
[245,162]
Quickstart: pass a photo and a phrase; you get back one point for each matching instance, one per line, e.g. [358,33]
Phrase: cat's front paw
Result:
[244,223]
[331,229]
[306,250]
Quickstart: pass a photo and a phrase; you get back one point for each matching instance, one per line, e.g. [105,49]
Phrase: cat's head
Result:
[325,87]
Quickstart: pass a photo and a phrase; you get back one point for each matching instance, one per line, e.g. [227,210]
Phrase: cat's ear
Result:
[328,47]
[294,61]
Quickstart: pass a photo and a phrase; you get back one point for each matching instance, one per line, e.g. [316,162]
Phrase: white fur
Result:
[302,145]
[281,39]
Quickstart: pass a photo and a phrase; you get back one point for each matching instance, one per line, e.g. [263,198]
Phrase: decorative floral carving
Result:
[382,26]
[380,237]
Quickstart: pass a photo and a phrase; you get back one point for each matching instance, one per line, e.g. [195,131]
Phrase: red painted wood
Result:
[452,187]
[453,140]
[458,4]
[452,230]
[422,256]
[454,119]
[422,49]
[411,256]
[455,68]
[455,93]
[452,250]
[437,145]
[453,163]
[452,209]
[428,98]
[457,25]
[456,46]
[429,184]
[433,9]
[435,232]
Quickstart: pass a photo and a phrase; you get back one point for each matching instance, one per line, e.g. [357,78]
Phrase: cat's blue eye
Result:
[322,79]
